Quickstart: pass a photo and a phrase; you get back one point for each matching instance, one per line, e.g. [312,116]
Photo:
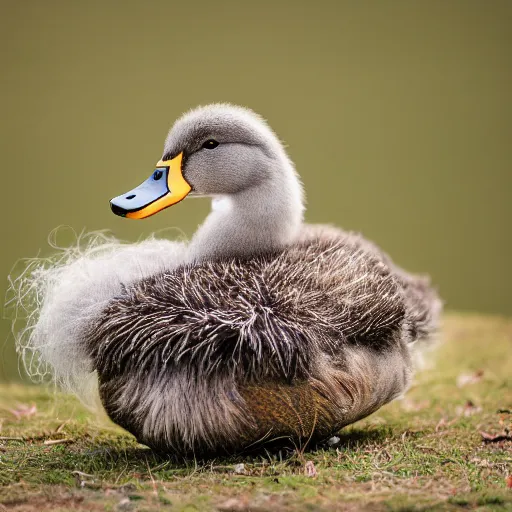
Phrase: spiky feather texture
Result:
[230,315]
[283,318]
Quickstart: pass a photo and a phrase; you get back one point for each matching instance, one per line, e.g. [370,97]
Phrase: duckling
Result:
[260,329]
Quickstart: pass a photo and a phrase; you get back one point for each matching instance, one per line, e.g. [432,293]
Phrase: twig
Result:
[120,474]
[3,438]
[51,442]
[155,490]
[58,430]
[81,473]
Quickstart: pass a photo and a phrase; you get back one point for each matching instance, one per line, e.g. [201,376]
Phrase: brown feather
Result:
[295,344]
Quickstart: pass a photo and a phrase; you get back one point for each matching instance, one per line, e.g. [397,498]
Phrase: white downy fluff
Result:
[55,298]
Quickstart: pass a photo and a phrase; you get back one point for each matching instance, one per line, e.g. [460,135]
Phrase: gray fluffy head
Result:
[261,197]
[248,154]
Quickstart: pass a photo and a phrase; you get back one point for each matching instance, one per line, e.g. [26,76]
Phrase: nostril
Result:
[131,196]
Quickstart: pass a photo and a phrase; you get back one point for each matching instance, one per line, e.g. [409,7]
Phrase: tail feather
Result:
[56,299]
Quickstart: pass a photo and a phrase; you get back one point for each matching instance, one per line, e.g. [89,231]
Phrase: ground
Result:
[446,446]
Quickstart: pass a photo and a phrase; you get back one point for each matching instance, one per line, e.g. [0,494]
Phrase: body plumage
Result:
[287,336]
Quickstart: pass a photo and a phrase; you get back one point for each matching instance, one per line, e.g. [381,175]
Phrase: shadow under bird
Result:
[261,328]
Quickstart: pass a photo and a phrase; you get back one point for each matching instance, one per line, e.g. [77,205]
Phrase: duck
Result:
[260,329]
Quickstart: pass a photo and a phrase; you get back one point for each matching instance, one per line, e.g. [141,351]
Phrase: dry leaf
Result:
[24,411]
[440,423]
[495,438]
[233,504]
[468,410]
[310,470]
[509,481]
[469,378]
[124,505]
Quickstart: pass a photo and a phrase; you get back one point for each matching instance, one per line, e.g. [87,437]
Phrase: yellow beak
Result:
[165,187]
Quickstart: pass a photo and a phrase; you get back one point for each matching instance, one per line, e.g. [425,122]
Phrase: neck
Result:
[266,217]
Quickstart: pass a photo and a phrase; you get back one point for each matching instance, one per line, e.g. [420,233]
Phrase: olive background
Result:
[398,115]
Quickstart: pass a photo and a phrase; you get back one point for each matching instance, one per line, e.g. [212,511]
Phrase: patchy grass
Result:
[425,452]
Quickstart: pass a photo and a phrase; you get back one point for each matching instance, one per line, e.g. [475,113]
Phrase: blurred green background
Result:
[398,115]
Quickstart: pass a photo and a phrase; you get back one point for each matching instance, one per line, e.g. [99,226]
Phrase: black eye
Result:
[210,144]
[157,174]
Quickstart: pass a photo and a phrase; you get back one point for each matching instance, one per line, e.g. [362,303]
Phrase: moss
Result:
[424,452]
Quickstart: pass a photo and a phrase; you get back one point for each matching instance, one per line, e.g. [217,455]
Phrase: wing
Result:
[265,317]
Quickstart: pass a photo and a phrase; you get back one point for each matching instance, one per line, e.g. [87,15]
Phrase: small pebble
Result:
[124,505]
[239,469]
[333,441]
